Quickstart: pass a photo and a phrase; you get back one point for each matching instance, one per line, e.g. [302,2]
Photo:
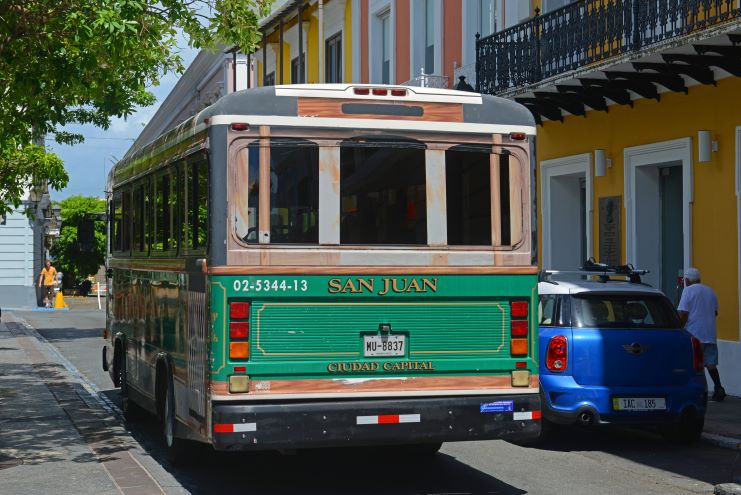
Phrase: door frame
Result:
[675,150]
[567,165]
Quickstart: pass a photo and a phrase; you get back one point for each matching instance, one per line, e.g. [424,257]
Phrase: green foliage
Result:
[67,256]
[86,61]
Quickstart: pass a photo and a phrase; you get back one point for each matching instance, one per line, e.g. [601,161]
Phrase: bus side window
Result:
[148,222]
[138,219]
[117,222]
[197,203]
[172,208]
[161,213]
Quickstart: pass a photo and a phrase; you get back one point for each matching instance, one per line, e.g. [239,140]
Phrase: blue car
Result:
[612,351]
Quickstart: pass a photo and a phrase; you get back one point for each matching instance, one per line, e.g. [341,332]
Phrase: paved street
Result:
[572,462]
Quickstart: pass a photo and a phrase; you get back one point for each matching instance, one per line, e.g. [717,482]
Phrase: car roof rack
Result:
[603,271]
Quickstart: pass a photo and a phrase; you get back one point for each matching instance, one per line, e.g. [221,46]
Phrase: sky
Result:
[88,163]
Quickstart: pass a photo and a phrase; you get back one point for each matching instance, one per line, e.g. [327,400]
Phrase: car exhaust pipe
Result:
[586,418]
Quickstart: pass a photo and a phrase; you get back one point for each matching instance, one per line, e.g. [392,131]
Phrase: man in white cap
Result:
[698,309]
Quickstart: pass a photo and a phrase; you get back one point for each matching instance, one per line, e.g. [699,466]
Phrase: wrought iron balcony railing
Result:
[585,32]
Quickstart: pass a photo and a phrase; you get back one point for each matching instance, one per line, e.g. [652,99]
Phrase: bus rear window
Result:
[383,196]
[468,200]
[622,311]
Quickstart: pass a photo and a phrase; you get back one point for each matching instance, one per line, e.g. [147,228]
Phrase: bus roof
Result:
[284,101]
[286,105]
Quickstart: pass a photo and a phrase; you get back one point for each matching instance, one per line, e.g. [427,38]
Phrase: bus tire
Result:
[131,411]
[117,357]
[177,449]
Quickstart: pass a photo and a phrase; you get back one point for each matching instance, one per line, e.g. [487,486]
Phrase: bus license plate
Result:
[639,404]
[384,345]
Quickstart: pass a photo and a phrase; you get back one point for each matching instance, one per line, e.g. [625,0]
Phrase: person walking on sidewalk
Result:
[698,310]
[48,277]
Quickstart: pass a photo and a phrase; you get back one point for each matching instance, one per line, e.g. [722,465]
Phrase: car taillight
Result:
[556,357]
[698,359]
[239,330]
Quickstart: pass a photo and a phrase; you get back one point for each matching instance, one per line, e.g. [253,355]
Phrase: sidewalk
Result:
[723,423]
[55,437]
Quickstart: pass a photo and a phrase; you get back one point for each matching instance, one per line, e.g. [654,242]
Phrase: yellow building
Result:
[639,148]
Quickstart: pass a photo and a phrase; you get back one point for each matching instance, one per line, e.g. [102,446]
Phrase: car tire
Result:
[687,430]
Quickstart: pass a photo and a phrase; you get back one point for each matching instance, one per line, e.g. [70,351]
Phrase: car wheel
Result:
[687,430]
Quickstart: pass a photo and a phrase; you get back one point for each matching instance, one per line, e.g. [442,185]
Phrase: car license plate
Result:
[639,404]
[384,345]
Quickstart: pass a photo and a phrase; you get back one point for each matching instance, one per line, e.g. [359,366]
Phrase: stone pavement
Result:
[56,437]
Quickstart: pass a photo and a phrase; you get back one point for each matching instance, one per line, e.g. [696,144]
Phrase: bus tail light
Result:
[361,91]
[518,347]
[239,350]
[519,328]
[239,330]
[518,309]
[239,310]
[556,357]
[698,359]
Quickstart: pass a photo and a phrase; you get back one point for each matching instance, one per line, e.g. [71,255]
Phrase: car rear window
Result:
[622,311]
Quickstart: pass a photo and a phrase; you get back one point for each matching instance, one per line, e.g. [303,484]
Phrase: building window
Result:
[333,59]
[269,79]
[429,67]
[295,73]
[487,17]
[551,5]
[385,47]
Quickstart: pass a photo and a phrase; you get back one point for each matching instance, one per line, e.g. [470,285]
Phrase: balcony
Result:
[593,53]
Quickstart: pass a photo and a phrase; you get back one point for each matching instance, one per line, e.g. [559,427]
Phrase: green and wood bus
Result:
[329,265]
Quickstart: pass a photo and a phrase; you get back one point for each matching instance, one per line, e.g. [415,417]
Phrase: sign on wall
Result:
[609,229]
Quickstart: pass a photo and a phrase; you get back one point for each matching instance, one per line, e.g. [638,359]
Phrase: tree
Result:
[86,61]
[68,258]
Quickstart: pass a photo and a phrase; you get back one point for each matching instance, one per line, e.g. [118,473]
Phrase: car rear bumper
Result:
[566,402]
[249,426]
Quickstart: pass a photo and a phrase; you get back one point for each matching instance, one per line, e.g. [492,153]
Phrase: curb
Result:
[727,489]
[722,441]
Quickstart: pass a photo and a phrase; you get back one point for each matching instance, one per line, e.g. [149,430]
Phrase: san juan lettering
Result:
[388,285]
[356,367]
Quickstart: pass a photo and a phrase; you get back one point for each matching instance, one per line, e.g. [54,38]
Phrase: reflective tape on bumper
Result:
[526,415]
[234,428]
[388,419]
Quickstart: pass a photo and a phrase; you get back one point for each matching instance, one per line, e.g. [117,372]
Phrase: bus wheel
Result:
[177,448]
[131,411]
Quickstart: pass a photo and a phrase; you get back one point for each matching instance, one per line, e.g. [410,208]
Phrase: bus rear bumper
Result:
[244,426]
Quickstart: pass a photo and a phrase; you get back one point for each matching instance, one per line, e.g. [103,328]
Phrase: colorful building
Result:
[416,42]
[639,146]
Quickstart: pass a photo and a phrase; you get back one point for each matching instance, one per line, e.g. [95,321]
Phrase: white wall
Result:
[17,251]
